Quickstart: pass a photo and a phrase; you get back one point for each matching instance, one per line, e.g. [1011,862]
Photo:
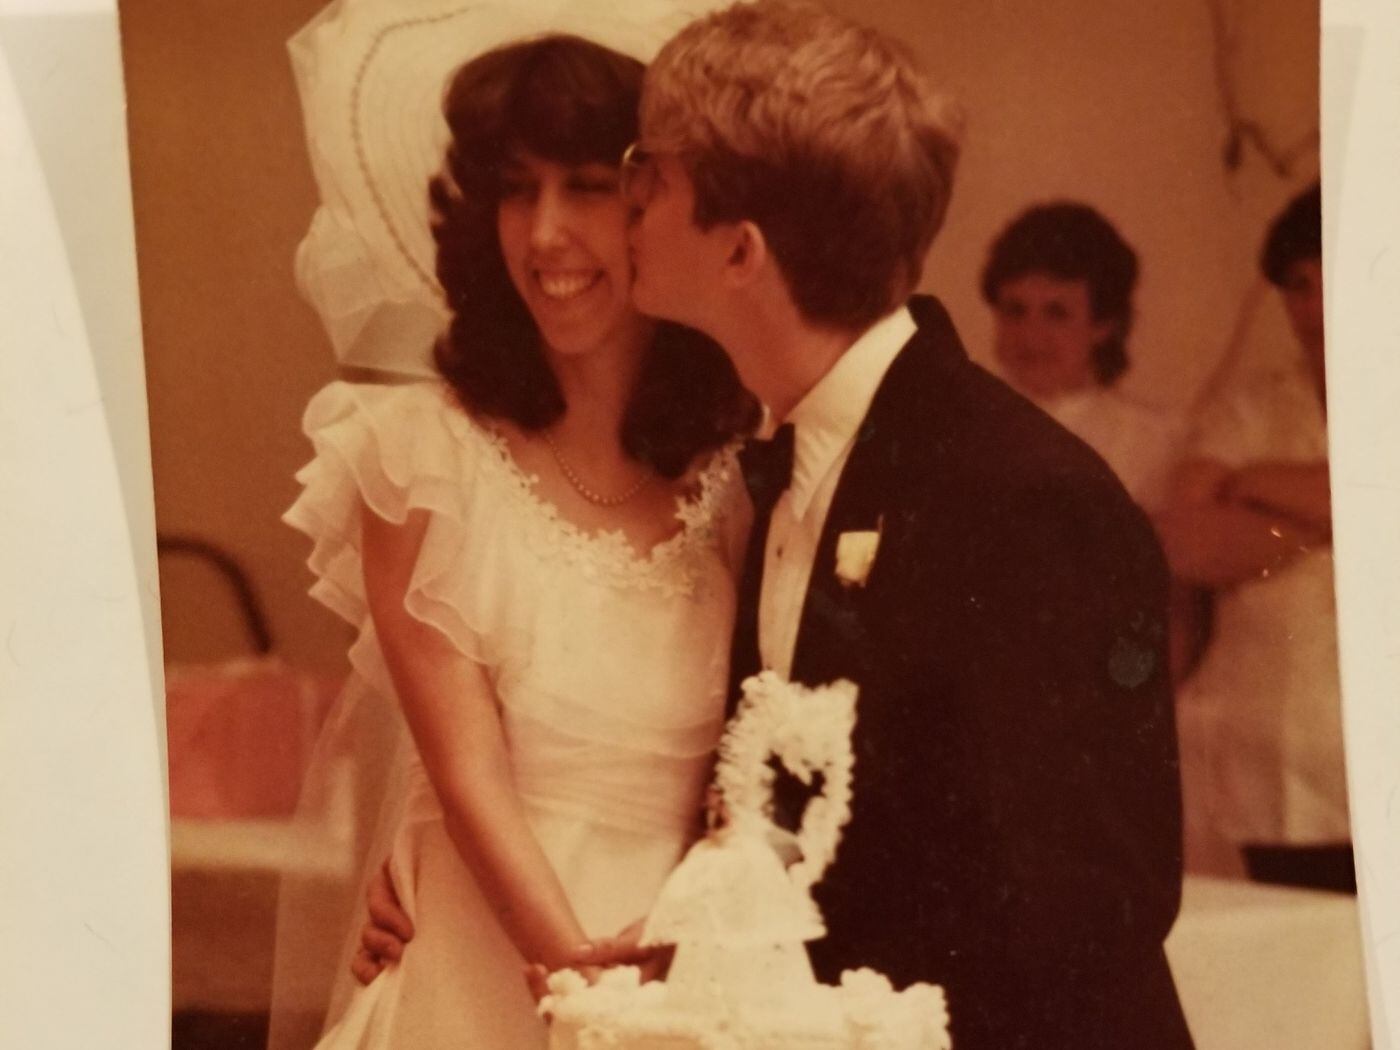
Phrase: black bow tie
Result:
[767,467]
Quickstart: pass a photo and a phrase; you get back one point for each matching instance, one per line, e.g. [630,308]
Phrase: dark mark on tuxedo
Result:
[840,616]
[1131,662]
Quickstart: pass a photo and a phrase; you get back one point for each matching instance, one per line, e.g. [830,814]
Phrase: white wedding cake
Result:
[738,918]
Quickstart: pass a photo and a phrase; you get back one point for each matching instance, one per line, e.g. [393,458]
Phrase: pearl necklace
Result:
[583,490]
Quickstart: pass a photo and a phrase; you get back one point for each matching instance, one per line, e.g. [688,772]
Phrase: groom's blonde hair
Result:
[820,131]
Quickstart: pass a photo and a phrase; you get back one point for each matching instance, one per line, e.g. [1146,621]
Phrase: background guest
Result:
[1060,280]
[1250,517]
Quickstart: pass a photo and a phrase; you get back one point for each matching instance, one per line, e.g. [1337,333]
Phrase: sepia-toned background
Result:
[1124,105]
[1188,123]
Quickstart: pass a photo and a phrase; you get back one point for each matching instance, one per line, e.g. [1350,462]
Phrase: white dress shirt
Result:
[825,422]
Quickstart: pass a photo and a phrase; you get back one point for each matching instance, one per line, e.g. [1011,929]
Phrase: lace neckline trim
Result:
[609,552]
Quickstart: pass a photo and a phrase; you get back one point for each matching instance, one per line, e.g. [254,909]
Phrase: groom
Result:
[924,532]
[1015,831]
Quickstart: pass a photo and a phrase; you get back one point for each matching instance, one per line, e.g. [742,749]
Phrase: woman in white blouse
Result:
[1060,280]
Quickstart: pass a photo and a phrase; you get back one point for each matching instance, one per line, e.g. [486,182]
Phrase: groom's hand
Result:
[389,928]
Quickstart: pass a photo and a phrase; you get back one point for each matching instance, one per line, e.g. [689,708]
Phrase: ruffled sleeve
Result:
[395,449]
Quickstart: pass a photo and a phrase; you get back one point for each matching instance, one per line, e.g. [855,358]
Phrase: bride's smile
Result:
[563,237]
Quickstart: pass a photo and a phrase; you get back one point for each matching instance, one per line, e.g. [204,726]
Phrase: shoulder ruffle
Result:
[407,448]
[397,449]
[585,649]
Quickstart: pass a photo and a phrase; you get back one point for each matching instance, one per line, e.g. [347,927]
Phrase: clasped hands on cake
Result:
[389,929]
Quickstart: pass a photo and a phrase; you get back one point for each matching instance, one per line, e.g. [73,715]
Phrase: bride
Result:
[537,550]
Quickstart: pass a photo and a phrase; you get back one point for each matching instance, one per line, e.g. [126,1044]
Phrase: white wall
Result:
[1116,103]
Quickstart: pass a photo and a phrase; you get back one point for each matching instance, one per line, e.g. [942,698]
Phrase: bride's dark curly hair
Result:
[563,99]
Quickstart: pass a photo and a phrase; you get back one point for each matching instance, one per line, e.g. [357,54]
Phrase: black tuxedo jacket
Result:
[1015,832]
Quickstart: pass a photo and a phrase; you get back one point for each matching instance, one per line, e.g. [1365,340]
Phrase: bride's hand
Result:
[625,950]
[592,959]
[537,976]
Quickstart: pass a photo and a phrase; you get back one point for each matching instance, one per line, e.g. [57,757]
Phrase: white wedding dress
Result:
[609,667]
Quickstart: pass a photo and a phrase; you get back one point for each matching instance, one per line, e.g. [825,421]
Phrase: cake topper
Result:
[733,888]
[738,916]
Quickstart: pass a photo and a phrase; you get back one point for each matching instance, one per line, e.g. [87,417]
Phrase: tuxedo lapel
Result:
[831,632]
[744,658]
[905,407]
[832,637]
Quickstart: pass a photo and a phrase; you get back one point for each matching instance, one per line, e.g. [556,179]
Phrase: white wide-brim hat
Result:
[371,76]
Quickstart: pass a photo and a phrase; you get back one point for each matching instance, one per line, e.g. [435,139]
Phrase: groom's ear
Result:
[748,254]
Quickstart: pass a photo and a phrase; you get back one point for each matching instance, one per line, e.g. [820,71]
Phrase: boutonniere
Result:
[855,555]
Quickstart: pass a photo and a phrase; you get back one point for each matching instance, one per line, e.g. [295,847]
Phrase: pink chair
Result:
[240,734]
